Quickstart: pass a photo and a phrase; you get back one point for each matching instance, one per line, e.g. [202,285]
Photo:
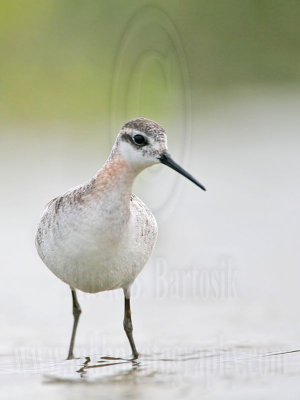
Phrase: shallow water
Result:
[215,310]
[213,373]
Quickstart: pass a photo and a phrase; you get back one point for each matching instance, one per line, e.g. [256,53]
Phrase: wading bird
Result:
[98,236]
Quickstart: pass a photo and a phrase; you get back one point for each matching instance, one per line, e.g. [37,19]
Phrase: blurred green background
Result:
[58,56]
[223,78]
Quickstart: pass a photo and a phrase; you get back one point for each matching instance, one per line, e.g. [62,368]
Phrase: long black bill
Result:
[167,160]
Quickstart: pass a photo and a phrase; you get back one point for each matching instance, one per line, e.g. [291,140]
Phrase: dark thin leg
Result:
[76,314]
[127,323]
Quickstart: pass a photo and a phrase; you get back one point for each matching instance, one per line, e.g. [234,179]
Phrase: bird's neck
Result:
[115,180]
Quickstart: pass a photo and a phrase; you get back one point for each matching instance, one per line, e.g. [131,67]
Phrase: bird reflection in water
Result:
[106,361]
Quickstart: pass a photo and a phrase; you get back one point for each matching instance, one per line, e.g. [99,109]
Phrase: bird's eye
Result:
[140,140]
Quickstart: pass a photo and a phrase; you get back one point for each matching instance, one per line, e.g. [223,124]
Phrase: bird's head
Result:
[142,143]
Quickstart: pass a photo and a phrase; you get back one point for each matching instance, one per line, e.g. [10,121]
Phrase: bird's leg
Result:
[76,314]
[127,323]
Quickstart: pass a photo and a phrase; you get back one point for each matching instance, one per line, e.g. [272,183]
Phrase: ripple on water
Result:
[167,366]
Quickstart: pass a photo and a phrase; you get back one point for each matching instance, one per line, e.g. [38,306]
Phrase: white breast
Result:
[95,246]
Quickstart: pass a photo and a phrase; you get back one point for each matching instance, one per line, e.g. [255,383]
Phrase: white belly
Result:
[91,253]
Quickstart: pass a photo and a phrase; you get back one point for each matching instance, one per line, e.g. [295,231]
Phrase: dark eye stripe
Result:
[128,138]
